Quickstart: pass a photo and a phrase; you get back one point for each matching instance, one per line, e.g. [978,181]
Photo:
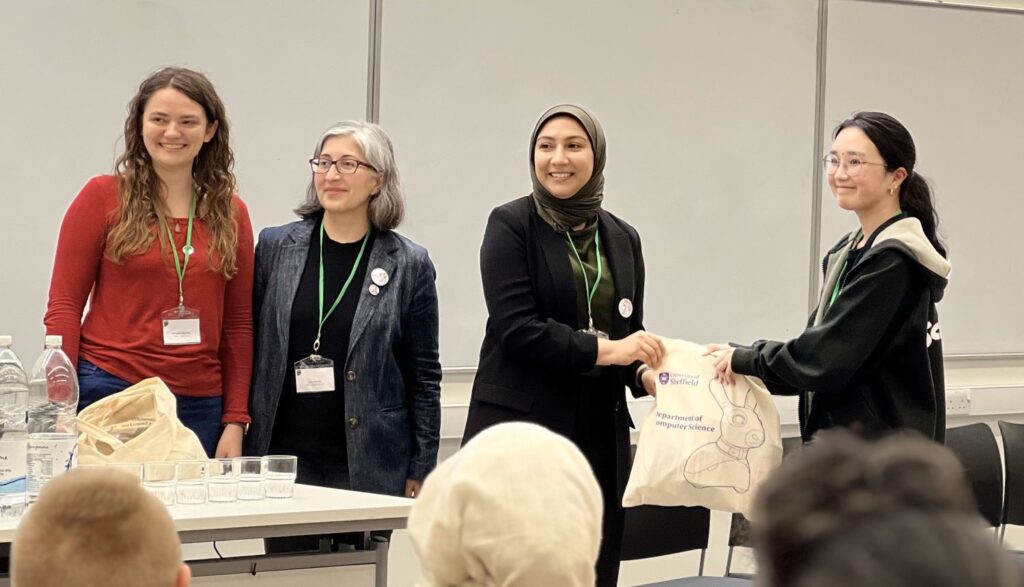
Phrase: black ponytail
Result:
[897,148]
[916,201]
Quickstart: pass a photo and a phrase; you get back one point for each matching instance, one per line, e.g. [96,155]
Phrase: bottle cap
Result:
[5,340]
[54,340]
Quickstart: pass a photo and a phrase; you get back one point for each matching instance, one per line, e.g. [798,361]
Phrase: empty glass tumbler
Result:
[223,481]
[191,485]
[159,478]
[279,482]
[251,472]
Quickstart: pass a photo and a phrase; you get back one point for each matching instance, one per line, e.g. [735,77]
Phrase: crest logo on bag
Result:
[688,379]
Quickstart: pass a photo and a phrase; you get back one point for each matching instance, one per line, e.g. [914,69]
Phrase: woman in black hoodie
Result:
[871,356]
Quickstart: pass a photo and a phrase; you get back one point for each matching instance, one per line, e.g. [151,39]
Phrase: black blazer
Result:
[533,359]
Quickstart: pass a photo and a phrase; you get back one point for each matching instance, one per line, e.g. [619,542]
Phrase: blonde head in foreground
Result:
[93,528]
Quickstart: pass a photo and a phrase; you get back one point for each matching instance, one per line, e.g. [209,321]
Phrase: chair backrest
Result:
[1013,459]
[975,446]
[651,530]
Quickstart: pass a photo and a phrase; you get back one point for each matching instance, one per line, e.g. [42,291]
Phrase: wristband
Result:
[640,375]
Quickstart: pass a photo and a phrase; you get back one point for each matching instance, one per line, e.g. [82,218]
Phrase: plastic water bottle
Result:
[52,404]
[13,410]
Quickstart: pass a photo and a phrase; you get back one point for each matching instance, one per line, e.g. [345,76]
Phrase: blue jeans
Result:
[199,414]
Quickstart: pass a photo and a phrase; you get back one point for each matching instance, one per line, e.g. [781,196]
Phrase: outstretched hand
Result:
[722,354]
[640,346]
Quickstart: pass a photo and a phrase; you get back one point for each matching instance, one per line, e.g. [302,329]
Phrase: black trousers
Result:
[597,435]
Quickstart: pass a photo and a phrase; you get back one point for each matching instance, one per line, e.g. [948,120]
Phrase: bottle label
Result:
[49,455]
[12,466]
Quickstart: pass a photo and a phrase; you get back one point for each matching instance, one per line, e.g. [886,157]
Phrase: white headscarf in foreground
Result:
[518,506]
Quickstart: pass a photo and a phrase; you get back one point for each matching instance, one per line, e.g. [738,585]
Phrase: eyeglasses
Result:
[853,164]
[344,166]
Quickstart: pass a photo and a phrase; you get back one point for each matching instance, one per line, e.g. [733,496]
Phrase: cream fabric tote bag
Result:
[704,443]
[137,425]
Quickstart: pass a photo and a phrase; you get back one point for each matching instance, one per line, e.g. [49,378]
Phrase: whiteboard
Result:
[708,107]
[953,77]
[285,71]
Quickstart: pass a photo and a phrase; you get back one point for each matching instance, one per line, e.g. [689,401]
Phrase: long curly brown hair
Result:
[139,188]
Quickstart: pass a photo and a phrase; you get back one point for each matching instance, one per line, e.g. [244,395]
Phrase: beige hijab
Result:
[518,506]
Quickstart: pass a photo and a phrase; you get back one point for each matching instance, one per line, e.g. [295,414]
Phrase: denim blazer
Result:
[392,381]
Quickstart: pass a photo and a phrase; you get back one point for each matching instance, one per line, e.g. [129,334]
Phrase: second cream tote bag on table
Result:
[704,443]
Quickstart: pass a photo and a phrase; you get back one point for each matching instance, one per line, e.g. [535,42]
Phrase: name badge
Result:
[314,374]
[181,326]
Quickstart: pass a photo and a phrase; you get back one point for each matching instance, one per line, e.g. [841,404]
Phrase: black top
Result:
[534,360]
[312,424]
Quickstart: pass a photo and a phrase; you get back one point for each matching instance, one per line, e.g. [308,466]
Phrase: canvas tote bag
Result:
[137,425]
[704,443]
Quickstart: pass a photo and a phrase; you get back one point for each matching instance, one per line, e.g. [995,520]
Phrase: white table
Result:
[313,510]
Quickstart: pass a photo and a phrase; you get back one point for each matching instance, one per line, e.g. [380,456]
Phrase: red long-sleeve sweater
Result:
[123,333]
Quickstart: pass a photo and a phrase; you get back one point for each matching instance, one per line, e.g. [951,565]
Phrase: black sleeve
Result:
[826,356]
[637,319]
[513,311]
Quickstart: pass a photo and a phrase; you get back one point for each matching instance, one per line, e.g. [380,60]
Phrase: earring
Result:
[890,191]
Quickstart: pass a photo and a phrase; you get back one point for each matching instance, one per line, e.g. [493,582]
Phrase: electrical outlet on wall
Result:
[958,400]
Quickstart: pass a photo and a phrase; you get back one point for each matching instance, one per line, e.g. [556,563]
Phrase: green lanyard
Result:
[187,250]
[344,288]
[586,284]
[839,280]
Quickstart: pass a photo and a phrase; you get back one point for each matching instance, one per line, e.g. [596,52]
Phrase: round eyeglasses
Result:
[344,166]
[832,163]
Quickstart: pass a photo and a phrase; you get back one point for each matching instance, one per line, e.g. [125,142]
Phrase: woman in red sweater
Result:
[164,248]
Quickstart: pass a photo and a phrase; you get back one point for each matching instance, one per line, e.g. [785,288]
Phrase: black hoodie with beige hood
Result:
[871,357]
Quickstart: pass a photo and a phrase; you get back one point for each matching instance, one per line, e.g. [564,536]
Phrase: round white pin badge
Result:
[379,277]
[625,308]
[374,290]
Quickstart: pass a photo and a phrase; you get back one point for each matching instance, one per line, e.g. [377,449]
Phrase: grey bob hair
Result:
[387,207]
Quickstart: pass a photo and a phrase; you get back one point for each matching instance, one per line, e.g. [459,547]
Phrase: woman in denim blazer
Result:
[375,427]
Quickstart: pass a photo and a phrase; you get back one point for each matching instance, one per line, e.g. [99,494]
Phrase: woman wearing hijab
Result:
[564,285]
[481,520]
